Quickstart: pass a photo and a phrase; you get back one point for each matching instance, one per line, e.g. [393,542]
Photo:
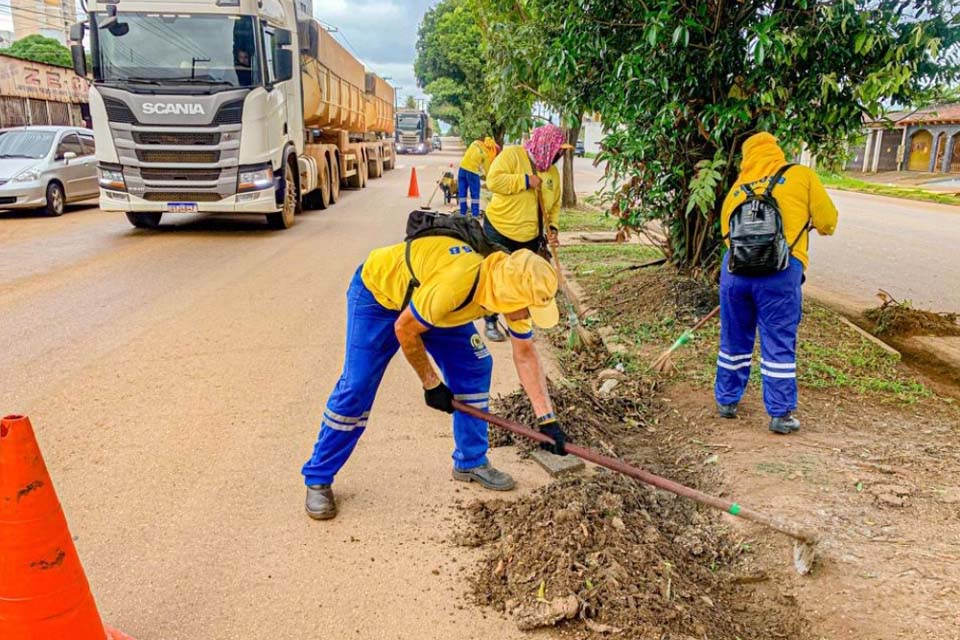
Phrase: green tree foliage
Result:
[37,48]
[410,103]
[452,64]
[680,85]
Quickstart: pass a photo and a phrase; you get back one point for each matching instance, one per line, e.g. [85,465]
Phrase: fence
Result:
[18,112]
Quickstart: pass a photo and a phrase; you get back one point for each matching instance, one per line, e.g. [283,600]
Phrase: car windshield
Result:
[25,144]
[150,48]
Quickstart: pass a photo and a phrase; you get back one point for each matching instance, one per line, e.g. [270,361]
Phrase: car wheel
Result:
[55,199]
[144,219]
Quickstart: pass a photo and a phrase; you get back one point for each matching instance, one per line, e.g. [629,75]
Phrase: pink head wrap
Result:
[544,145]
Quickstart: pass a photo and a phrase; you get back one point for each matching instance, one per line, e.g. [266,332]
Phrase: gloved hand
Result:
[553,429]
[440,398]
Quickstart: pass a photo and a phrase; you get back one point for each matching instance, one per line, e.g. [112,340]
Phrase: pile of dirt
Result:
[900,320]
[610,555]
[588,418]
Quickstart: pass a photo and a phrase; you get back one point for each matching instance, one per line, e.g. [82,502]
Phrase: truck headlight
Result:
[28,175]
[111,178]
[254,178]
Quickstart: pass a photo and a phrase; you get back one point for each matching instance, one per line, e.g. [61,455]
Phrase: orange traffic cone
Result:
[44,593]
[414,190]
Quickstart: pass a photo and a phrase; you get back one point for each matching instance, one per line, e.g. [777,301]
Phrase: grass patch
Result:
[846,183]
[597,260]
[586,220]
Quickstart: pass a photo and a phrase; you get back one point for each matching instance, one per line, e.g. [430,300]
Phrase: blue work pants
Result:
[468,181]
[773,304]
[464,362]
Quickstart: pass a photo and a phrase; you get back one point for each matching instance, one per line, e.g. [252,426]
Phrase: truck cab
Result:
[196,106]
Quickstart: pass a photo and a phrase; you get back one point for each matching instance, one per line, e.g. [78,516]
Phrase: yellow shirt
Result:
[800,194]
[513,209]
[476,160]
[447,269]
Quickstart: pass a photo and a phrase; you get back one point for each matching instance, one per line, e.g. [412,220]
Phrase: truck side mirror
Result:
[76,31]
[79,59]
[283,37]
[283,65]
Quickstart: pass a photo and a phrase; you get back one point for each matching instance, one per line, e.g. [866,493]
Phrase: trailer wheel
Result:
[144,220]
[334,179]
[325,186]
[389,163]
[364,172]
[377,164]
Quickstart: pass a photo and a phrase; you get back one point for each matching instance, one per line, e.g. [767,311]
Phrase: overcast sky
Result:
[383,33]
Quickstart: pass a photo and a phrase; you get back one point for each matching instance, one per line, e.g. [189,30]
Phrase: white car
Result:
[46,167]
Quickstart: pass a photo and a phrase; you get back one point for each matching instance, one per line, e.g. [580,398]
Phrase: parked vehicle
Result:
[579,151]
[437,143]
[228,106]
[46,167]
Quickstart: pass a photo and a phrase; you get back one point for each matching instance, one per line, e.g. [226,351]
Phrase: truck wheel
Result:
[324,194]
[283,219]
[378,167]
[389,162]
[144,220]
[364,174]
[334,180]
[55,200]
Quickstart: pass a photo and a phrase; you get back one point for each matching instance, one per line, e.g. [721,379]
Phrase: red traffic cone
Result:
[414,190]
[44,593]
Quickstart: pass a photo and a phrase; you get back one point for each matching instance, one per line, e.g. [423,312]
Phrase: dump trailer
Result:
[414,133]
[228,107]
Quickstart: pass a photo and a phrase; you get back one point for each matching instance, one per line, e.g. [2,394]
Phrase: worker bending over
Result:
[457,286]
[476,162]
[760,286]
[524,212]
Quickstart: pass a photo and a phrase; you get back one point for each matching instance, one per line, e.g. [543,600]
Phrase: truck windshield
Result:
[152,48]
[409,123]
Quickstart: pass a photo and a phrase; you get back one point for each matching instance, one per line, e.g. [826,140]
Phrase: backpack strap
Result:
[473,292]
[775,180]
[414,283]
[806,229]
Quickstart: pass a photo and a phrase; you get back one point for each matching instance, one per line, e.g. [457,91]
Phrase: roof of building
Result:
[943,113]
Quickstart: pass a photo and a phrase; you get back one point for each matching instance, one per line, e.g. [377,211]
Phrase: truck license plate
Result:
[182,207]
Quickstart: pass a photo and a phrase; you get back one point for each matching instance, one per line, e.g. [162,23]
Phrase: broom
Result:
[664,364]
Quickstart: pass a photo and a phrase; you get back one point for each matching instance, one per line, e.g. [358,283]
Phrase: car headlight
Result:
[254,178]
[111,178]
[27,175]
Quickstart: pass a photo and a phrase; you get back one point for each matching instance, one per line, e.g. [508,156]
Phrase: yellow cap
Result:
[520,280]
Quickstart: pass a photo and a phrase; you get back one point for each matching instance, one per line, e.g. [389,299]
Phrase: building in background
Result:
[925,140]
[32,93]
[6,38]
[50,18]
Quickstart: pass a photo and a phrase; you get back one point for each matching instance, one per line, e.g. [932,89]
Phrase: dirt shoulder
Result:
[874,468]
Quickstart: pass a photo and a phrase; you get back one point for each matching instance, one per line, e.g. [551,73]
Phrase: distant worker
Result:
[456,287]
[524,212]
[476,162]
[762,275]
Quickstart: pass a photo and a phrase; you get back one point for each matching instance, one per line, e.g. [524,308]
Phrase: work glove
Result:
[553,429]
[440,398]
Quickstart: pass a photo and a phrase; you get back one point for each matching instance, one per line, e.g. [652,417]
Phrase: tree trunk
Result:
[569,190]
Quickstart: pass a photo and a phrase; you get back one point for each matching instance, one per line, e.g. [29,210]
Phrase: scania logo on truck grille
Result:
[173,109]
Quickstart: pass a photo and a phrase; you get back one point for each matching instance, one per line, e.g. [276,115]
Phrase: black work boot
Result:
[784,425]
[321,504]
[487,476]
[728,411]
[493,332]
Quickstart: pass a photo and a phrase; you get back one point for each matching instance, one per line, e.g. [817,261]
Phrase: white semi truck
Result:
[228,107]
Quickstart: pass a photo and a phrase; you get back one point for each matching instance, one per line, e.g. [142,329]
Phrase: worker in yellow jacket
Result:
[475,163]
[766,221]
[524,211]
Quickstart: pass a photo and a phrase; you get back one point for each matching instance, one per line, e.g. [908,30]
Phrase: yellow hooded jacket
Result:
[803,200]
[513,209]
[478,158]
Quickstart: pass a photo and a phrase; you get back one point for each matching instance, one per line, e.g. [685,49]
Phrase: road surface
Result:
[909,248]
[176,380]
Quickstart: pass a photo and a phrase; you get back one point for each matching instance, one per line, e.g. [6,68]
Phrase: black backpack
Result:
[758,246]
[427,224]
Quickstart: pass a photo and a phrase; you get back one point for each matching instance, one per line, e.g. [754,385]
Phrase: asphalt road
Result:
[176,381]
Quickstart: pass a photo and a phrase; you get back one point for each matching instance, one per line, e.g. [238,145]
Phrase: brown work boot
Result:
[321,504]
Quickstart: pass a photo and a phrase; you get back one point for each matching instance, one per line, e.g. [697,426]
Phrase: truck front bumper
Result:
[254,202]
